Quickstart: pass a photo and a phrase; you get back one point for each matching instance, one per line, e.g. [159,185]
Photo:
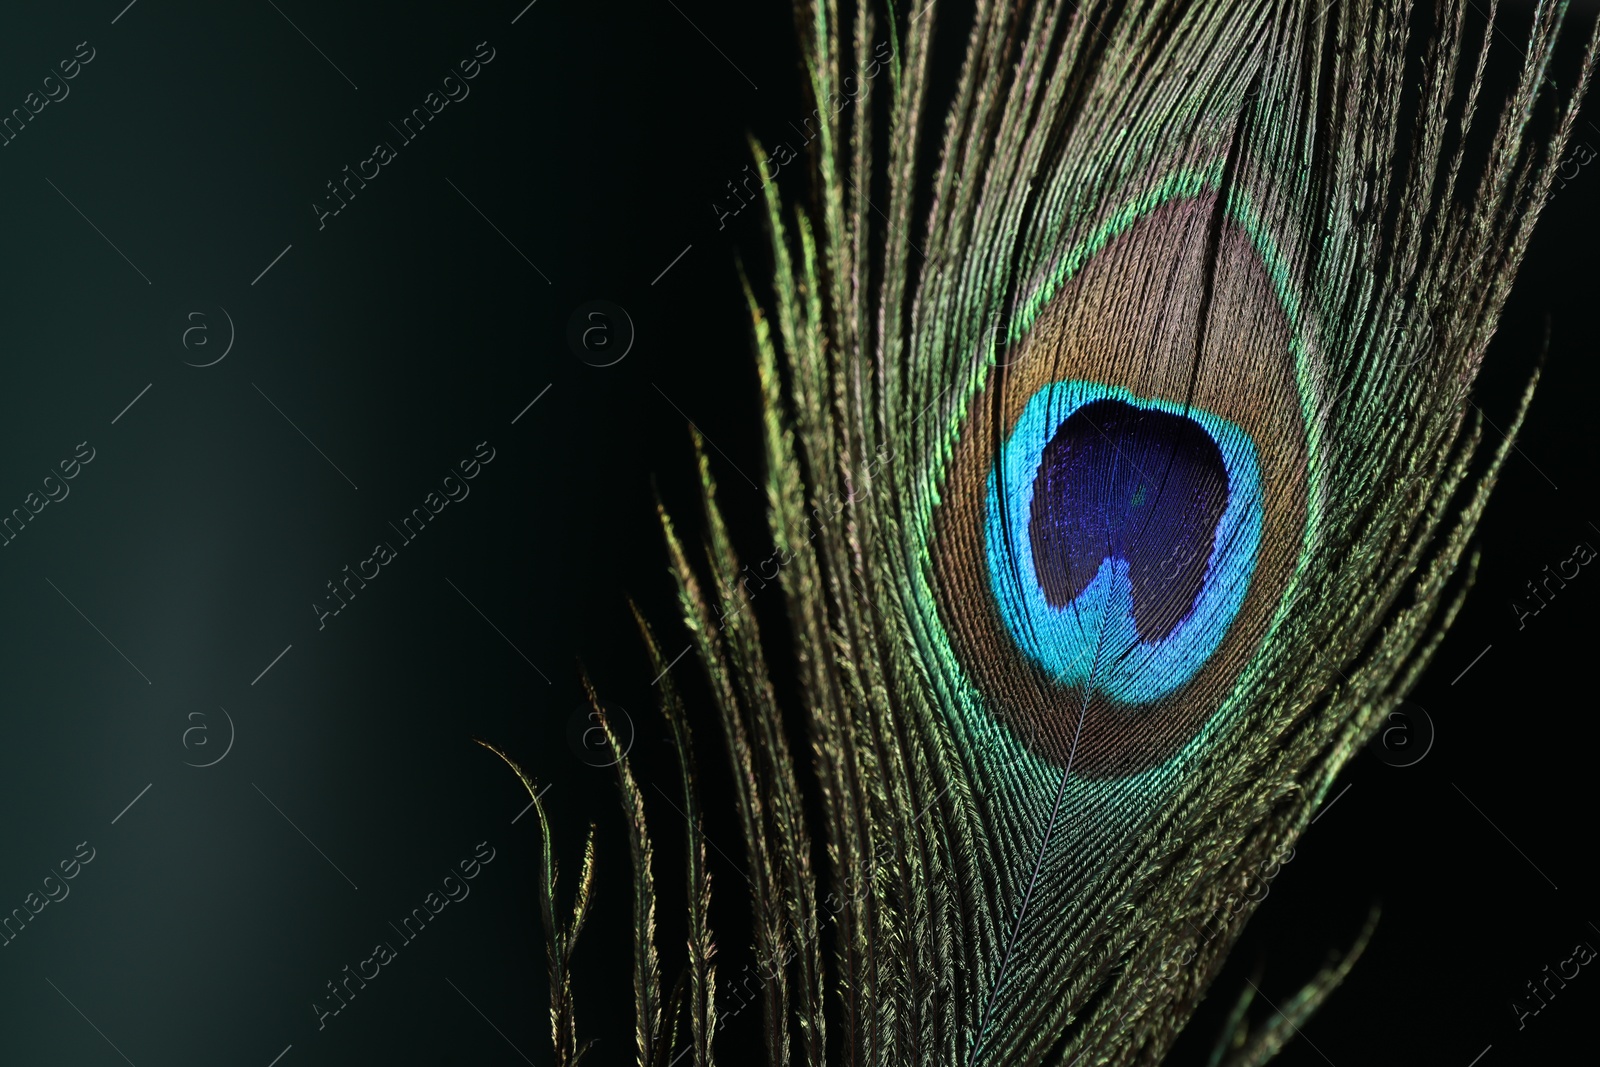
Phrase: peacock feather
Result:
[1119,473]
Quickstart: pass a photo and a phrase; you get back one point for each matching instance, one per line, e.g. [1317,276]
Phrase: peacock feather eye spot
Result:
[1127,501]
[1122,534]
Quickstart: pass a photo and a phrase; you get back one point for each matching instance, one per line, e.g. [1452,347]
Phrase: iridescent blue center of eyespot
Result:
[1128,536]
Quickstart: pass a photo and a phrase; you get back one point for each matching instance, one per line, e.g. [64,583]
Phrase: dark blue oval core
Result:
[1131,484]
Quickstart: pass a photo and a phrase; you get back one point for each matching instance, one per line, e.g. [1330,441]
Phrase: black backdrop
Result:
[163,206]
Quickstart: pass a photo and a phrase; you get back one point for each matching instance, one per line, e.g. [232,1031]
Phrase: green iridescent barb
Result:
[1115,400]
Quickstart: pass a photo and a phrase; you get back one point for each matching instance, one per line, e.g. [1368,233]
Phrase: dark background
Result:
[415,325]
